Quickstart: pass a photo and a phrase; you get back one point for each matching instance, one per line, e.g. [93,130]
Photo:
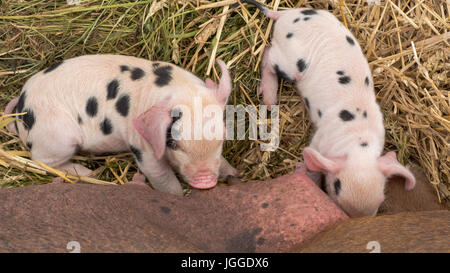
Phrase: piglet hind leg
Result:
[55,148]
[269,80]
[72,168]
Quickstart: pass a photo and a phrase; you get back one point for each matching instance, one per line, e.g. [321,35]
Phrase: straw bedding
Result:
[405,41]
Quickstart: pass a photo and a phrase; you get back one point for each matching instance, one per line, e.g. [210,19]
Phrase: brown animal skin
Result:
[270,216]
[408,221]
[422,198]
[427,231]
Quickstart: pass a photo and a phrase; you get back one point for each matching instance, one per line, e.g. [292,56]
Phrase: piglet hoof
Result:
[138,179]
[233,180]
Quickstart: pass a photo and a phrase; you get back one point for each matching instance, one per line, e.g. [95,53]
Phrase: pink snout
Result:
[203,181]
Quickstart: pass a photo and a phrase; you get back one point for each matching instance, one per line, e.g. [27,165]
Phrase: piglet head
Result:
[189,132]
[357,184]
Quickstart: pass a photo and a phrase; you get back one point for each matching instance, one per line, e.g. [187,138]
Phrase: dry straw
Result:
[405,41]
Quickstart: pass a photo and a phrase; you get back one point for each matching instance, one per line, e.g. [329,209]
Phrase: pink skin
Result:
[269,81]
[62,123]
[152,125]
[330,71]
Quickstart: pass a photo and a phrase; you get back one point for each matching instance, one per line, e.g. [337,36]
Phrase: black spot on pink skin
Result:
[350,40]
[296,20]
[306,18]
[52,67]
[21,102]
[106,126]
[281,74]
[365,114]
[29,145]
[337,186]
[364,144]
[79,119]
[165,210]
[264,205]
[344,80]
[92,107]
[136,152]
[301,65]
[307,103]
[340,72]
[366,81]
[357,109]
[346,115]
[123,105]
[289,35]
[163,75]
[319,113]
[113,89]
[309,12]
[28,119]
[137,73]
[124,68]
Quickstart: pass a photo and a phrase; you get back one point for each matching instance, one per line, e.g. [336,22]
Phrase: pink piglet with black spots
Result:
[113,103]
[312,49]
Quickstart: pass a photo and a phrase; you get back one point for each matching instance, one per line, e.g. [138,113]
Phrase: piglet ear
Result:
[316,162]
[389,166]
[224,88]
[152,126]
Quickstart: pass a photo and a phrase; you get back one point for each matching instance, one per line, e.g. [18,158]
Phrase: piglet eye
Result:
[172,144]
[337,186]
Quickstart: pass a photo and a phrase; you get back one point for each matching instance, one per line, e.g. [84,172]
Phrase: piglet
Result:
[112,103]
[312,49]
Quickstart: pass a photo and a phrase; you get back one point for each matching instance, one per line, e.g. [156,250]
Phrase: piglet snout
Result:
[204,181]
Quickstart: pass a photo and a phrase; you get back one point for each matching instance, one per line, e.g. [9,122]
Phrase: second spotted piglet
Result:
[111,103]
[314,50]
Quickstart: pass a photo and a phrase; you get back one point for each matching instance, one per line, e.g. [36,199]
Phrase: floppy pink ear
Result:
[152,126]
[211,85]
[224,88]
[316,162]
[389,166]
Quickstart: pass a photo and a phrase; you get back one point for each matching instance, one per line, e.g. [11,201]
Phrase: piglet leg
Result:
[161,176]
[226,169]
[72,168]
[269,81]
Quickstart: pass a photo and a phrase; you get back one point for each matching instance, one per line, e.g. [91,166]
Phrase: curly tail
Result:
[269,13]
[8,110]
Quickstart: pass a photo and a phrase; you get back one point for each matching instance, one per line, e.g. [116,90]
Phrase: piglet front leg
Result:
[160,176]
[226,169]
[269,81]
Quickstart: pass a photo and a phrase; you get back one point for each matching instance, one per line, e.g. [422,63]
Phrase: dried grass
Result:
[405,41]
